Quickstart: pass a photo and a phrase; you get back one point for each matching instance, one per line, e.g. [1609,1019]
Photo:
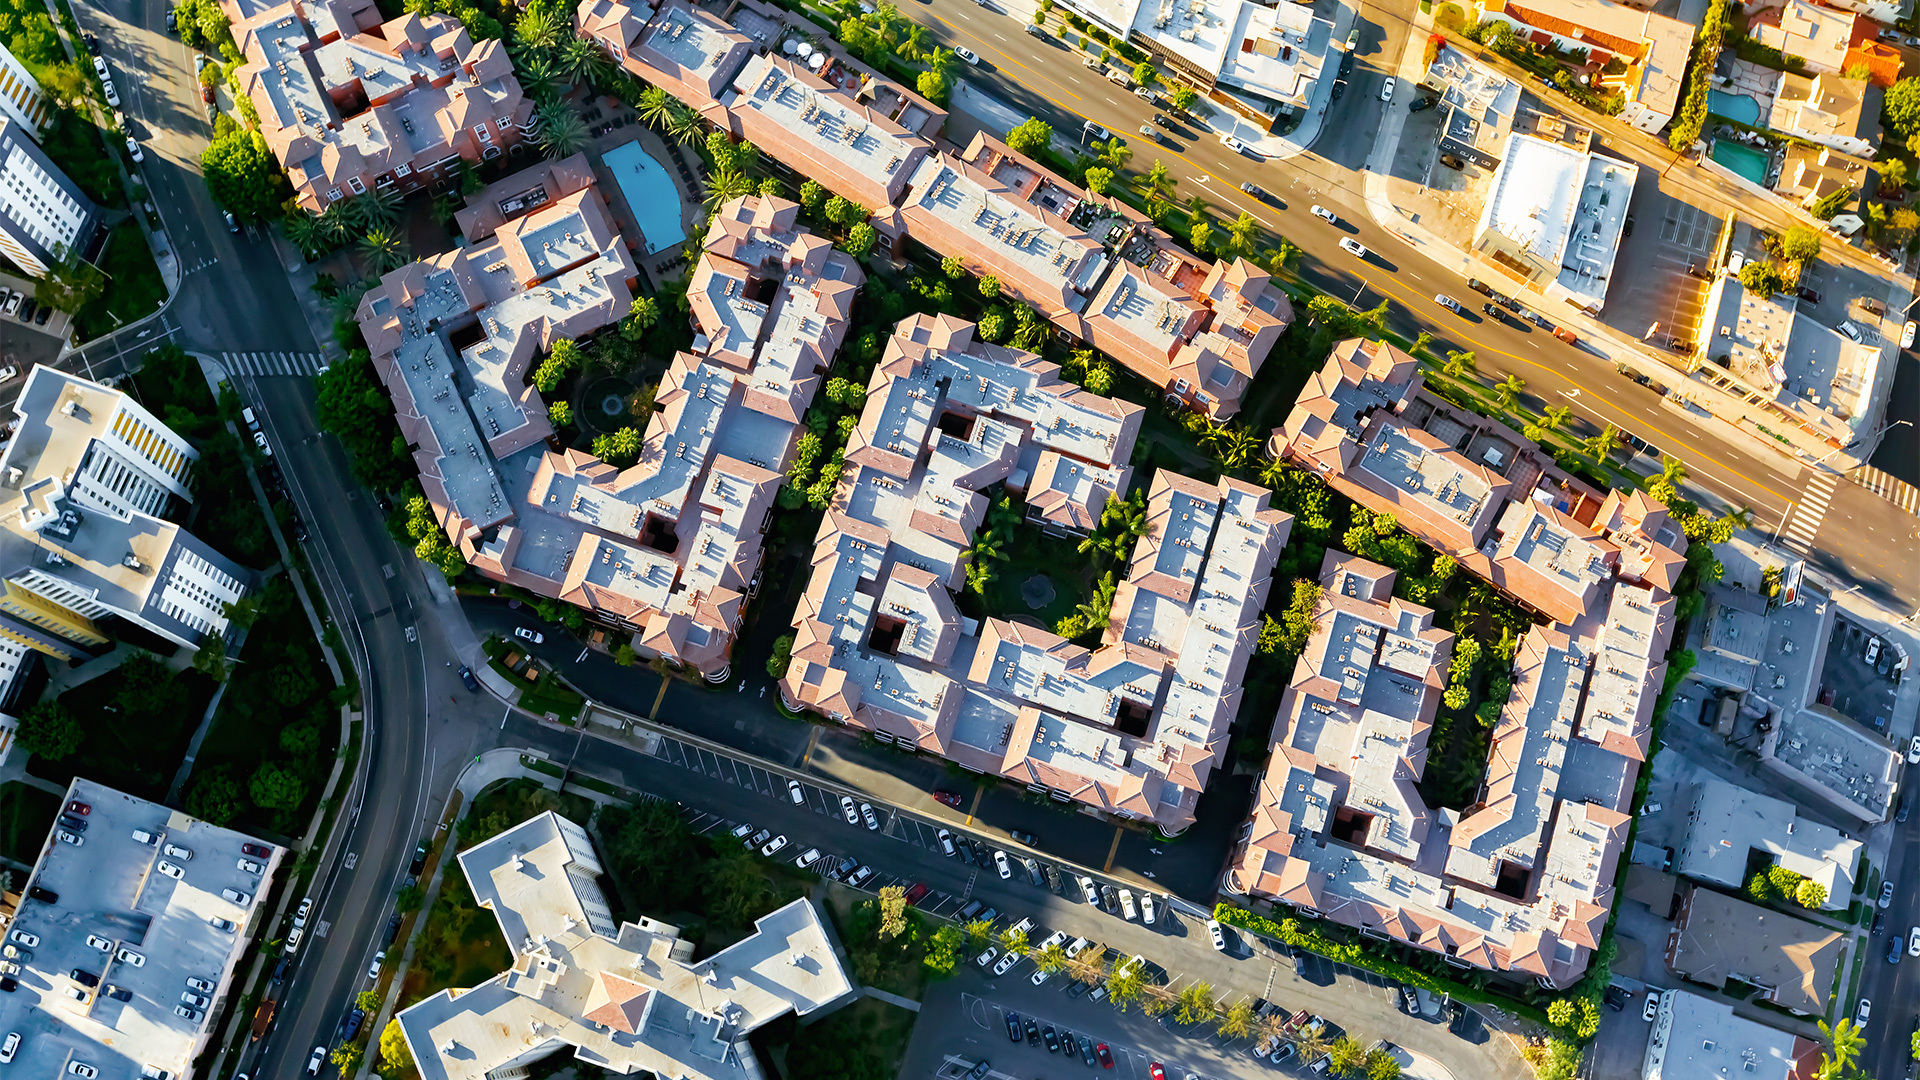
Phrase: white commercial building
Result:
[1696,1037]
[21,99]
[1268,57]
[1726,822]
[627,998]
[1553,220]
[126,938]
[43,213]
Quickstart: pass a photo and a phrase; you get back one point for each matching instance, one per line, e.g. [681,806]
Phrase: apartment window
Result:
[485,135]
[403,170]
[334,195]
[503,123]
[358,187]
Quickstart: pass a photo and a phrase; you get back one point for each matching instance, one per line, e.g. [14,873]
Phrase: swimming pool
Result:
[651,196]
[1745,160]
[1736,107]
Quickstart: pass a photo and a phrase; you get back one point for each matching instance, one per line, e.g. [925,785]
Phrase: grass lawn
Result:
[135,750]
[134,288]
[26,813]
[1029,552]
[460,945]
[545,695]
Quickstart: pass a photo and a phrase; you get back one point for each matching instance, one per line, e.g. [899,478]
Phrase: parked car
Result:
[1324,214]
[1086,888]
[1001,864]
[261,851]
[946,843]
[985,959]
[795,792]
[774,845]
[807,858]
[1216,935]
[525,634]
[373,969]
[947,798]
[847,808]
[1386,90]
[867,815]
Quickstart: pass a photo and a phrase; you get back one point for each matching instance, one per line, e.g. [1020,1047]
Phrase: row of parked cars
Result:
[25,308]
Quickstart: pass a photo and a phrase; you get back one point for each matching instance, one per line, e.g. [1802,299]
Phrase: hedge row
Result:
[1706,53]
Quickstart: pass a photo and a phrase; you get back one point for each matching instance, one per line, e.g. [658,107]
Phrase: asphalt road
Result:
[1894,990]
[1862,537]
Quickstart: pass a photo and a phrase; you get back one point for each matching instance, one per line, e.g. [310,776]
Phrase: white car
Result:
[31,941]
[946,838]
[133,148]
[1861,1012]
[237,897]
[82,1069]
[967,54]
[10,1047]
[175,851]
[1913,942]
[1233,144]
[1216,935]
[986,958]
[1001,864]
[1092,894]
[100,66]
[1040,975]
[1906,335]
[807,858]
[66,837]
[11,371]
[1006,964]
[113,96]
[1079,946]
[314,1062]
[219,923]
[1146,909]
[525,634]
[250,866]
[1058,937]
[1352,247]
[1386,90]
[170,870]
[1652,1007]
[1913,751]
[128,956]
[373,969]
[1126,904]
[95,941]
[774,845]
[847,808]
[795,792]
[1886,894]
[866,815]
[201,985]
[188,997]
[1324,214]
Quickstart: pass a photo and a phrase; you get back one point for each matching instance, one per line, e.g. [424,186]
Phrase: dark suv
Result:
[466,676]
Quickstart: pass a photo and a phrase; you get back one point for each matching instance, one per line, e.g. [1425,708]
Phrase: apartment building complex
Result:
[1131,728]
[351,104]
[1101,273]
[1522,881]
[86,488]
[669,547]
[1653,48]
[627,998]
[21,99]
[43,214]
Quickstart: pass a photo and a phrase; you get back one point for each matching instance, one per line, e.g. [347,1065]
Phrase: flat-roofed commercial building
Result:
[626,997]
[21,99]
[1131,728]
[1553,220]
[1695,1036]
[125,943]
[350,103]
[1726,823]
[1097,270]
[44,216]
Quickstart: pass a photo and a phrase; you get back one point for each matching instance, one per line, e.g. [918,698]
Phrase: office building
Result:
[44,216]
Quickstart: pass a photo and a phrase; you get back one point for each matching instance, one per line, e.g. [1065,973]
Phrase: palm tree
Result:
[1273,471]
[1241,445]
[536,74]
[1555,417]
[1237,1021]
[986,550]
[1156,184]
[1741,518]
[540,26]
[1846,1041]
[1459,364]
[915,45]
[1196,206]
[724,186]
[685,125]
[1197,1004]
[1099,607]
[1673,471]
[334,226]
[1241,231]
[656,107]
[383,249]
[1312,1044]
[1507,392]
[1115,153]
[1602,445]
[304,230]
[641,315]
[582,59]
[562,132]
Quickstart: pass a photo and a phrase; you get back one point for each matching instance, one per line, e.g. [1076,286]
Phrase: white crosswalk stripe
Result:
[1894,490]
[264,364]
[1809,512]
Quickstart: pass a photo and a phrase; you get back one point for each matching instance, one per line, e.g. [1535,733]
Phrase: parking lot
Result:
[1851,685]
[1650,281]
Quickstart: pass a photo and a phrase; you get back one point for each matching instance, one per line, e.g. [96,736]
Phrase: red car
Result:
[1156,1071]
[1106,1057]
[78,807]
[256,850]
[917,893]
[947,798]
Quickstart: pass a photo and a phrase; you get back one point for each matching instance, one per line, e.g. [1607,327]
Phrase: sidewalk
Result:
[1716,411]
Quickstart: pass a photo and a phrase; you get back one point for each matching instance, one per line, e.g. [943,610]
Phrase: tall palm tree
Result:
[1555,417]
[656,107]
[1099,607]
[1603,445]
[685,125]
[1273,471]
[1115,153]
[304,230]
[583,60]
[1507,392]
[562,132]
[1673,471]
[1156,183]
[1459,364]
[540,26]
[1242,443]
[1846,1041]
[915,44]
[383,249]
[537,73]
[1196,206]
[1741,518]
[724,186]
[334,226]
[1241,230]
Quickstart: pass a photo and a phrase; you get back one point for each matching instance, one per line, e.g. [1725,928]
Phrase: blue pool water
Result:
[651,196]
[1736,107]
[1745,160]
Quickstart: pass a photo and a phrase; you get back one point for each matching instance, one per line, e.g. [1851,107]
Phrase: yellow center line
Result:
[657,698]
[813,739]
[979,791]
[1107,867]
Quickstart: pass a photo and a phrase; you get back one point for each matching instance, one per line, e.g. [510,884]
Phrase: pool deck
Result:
[1749,80]
[668,263]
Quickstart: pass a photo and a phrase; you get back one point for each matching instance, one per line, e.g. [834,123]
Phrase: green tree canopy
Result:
[277,786]
[1030,136]
[243,176]
[50,730]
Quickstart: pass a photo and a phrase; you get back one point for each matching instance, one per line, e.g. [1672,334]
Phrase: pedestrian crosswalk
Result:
[261,364]
[1809,511]
[1898,492]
